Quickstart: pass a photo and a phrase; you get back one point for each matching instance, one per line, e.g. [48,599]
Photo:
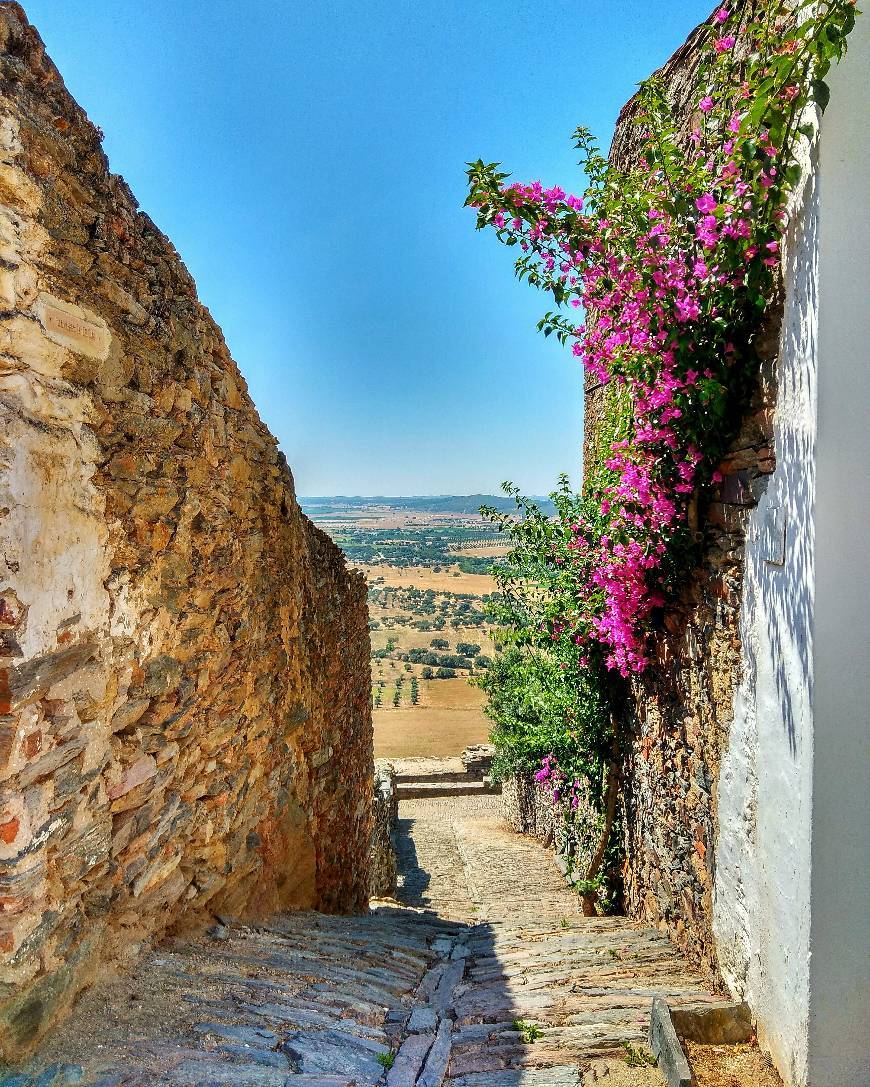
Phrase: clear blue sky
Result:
[307,159]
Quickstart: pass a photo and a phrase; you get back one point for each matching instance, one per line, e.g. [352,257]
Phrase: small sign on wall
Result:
[72,327]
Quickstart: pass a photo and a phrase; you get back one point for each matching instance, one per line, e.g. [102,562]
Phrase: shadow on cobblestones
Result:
[415,878]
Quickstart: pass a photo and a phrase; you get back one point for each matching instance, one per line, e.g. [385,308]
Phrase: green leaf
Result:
[821,93]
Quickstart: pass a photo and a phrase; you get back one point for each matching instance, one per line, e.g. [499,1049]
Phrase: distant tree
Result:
[396,697]
[427,673]
[482,660]
[452,660]
[377,699]
[415,691]
[467,649]
[439,643]
[408,668]
[445,673]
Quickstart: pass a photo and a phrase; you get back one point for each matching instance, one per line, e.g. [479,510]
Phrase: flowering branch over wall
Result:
[662,273]
[672,263]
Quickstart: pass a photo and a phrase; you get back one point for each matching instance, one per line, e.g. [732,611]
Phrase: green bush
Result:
[539,708]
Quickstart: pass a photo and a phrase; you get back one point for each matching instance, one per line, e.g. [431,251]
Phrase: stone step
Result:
[411,776]
[418,790]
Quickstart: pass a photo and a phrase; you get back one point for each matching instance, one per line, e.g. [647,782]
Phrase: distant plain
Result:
[427,571]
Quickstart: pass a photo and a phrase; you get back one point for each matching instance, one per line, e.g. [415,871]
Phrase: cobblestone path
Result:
[486,975]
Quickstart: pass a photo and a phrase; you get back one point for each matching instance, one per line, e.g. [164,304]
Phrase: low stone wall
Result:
[185,721]
[526,809]
[385,816]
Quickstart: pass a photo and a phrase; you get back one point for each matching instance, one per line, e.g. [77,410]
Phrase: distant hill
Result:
[439,503]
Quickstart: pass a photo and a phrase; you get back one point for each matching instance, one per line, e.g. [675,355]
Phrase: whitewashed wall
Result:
[839,1027]
[792,899]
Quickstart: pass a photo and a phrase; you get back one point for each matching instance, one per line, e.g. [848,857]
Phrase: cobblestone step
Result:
[411,777]
[420,790]
[430,769]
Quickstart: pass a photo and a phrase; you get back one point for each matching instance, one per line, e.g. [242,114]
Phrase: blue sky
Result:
[307,160]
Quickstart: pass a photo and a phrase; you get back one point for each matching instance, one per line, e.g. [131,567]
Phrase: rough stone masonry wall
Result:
[184,706]
[681,708]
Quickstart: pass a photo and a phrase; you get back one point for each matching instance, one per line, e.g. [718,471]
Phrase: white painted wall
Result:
[761,903]
[839,1027]
[792,897]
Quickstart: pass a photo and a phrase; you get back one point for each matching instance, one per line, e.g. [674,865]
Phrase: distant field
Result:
[421,577]
[402,734]
[449,713]
[493,550]
[420,594]
[451,719]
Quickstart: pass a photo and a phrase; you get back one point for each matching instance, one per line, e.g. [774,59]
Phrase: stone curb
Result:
[720,1023]
[713,1024]
[666,1046]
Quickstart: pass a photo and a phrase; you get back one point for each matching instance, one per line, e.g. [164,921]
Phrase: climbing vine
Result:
[670,264]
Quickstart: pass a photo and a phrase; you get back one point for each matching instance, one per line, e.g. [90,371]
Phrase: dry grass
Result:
[403,733]
[730,1066]
[421,577]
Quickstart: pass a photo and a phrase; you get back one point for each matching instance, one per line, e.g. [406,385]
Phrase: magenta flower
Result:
[706,104]
[724,44]
[706,203]
[721,15]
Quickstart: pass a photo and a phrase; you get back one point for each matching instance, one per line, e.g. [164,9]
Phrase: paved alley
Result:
[484,974]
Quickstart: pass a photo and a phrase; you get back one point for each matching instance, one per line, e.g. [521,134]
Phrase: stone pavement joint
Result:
[483,973]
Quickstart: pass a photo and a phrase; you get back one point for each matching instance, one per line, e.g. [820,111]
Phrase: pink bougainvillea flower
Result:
[721,15]
[706,104]
[706,203]
[724,44]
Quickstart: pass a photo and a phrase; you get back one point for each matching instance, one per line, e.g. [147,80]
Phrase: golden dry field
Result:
[452,580]
[448,714]
[427,562]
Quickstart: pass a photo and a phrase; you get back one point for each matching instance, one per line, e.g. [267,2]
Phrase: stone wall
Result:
[526,809]
[681,708]
[184,687]
[746,774]
[385,818]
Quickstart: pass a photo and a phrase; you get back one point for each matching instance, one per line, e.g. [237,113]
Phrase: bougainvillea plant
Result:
[662,271]
[671,262]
